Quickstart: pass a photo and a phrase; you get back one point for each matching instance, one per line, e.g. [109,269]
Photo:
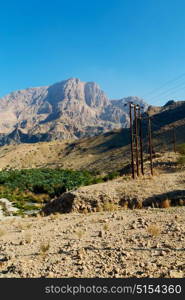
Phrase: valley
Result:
[69,205]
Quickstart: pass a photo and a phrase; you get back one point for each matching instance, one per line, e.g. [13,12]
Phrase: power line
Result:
[164,85]
[172,89]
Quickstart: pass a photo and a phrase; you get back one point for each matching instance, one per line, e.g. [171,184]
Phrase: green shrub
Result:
[111,176]
[181,160]
[47,181]
[181,149]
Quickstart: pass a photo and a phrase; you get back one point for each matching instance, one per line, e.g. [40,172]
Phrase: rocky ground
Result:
[6,208]
[146,242]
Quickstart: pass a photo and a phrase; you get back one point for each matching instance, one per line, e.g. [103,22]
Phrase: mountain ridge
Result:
[106,152]
[68,109]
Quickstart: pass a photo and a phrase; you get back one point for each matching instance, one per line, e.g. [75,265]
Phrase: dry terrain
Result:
[109,240]
[108,150]
[124,243]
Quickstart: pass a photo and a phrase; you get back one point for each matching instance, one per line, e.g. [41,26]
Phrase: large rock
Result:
[6,208]
[92,198]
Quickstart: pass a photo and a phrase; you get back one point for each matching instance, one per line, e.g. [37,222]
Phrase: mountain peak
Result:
[73,79]
[64,110]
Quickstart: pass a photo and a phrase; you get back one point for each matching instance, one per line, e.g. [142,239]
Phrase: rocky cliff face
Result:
[65,110]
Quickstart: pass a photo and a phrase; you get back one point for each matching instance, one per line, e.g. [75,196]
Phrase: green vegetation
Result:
[181,150]
[111,176]
[29,188]
[181,160]
[49,181]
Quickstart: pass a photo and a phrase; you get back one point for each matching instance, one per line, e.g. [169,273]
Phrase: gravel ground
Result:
[124,243]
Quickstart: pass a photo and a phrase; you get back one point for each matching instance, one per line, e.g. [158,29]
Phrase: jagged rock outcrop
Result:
[65,110]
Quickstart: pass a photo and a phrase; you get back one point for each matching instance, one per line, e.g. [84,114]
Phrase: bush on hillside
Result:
[181,149]
[181,160]
[111,175]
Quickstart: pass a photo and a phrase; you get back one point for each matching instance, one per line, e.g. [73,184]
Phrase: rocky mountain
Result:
[69,109]
[109,151]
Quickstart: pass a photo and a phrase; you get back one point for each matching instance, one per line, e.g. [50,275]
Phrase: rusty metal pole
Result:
[174,140]
[141,140]
[136,138]
[150,144]
[131,141]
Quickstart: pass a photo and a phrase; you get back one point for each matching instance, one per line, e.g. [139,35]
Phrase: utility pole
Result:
[136,138]
[174,140]
[131,141]
[141,139]
[150,145]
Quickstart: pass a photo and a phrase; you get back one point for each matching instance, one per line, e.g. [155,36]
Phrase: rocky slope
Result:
[69,109]
[164,120]
[123,192]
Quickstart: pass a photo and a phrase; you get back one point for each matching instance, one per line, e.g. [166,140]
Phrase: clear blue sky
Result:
[129,47]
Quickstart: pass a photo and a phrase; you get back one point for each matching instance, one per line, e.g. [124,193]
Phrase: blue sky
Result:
[127,47]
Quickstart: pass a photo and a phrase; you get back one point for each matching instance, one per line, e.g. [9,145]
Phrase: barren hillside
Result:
[110,150]
[105,152]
